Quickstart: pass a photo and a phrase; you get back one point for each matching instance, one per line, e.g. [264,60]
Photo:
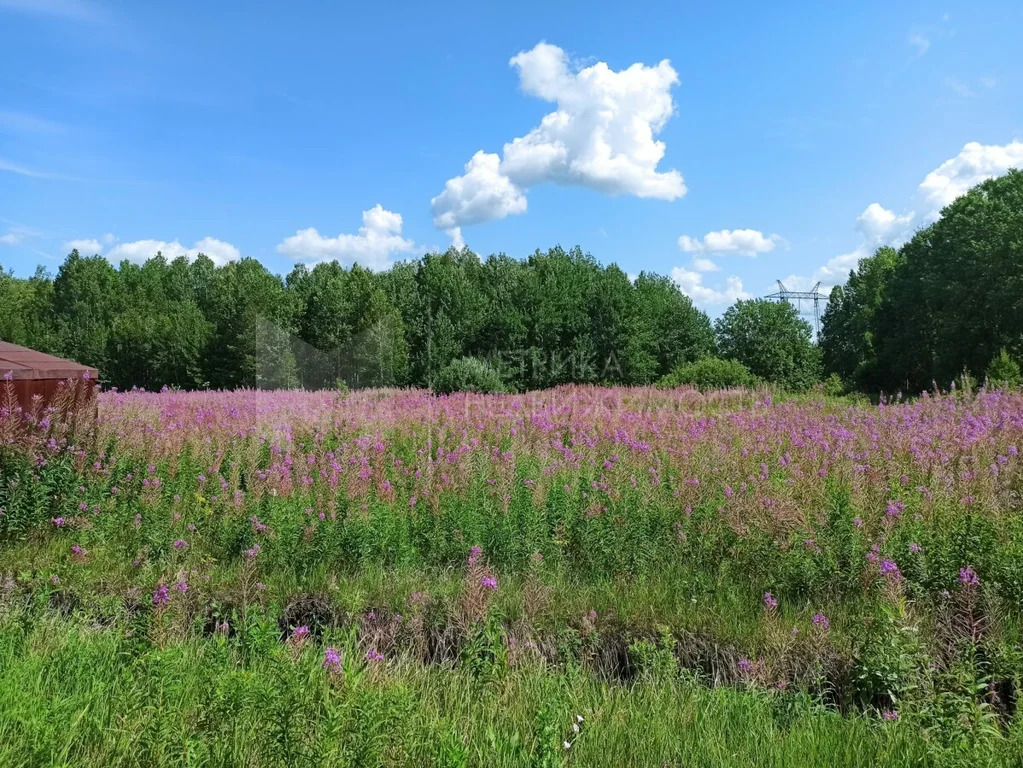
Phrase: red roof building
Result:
[35,373]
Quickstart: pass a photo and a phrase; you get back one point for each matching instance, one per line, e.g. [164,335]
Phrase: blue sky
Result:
[727,144]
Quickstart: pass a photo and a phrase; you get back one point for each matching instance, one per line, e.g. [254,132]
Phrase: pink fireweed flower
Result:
[331,659]
[474,555]
[968,576]
[915,548]
[161,596]
[77,551]
[181,586]
[770,602]
[890,714]
[821,621]
[373,655]
[890,570]
[180,544]
[58,521]
[488,582]
[252,551]
[300,633]
[895,508]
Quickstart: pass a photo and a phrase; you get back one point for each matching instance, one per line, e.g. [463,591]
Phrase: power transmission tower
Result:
[798,297]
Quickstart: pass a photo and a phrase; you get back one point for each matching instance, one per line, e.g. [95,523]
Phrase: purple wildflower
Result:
[474,555]
[770,601]
[161,596]
[820,620]
[488,582]
[59,522]
[180,544]
[373,655]
[331,659]
[890,570]
[890,714]
[968,576]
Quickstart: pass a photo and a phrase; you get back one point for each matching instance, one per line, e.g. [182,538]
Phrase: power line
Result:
[798,297]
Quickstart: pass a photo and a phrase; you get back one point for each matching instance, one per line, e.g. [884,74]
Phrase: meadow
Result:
[576,576]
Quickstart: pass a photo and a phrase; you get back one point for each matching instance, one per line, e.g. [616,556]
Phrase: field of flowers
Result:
[583,575]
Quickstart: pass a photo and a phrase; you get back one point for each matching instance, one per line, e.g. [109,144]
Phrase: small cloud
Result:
[17,234]
[691,284]
[748,242]
[139,251]
[959,87]
[88,246]
[378,239]
[920,42]
[701,264]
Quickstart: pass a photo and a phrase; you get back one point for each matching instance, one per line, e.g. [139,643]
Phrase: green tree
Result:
[957,295]
[771,340]
[1003,371]
[849,324]
[679,331]
[85,300]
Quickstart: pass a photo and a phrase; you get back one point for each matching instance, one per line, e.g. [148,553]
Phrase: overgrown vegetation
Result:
[290,578]
[709,373]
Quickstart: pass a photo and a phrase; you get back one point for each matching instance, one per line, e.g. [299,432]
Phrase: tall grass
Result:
[712,579]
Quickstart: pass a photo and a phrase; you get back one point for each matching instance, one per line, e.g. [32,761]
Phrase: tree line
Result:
[949,300]
[553,318]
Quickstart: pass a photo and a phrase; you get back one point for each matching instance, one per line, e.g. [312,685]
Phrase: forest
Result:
[947,302]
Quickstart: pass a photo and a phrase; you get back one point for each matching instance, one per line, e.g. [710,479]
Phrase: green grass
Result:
[74,694]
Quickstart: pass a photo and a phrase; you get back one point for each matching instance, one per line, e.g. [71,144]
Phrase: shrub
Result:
[833,386]
[709,373]
[468,374]
[1004,371]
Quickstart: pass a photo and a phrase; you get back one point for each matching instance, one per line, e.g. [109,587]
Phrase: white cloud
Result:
[701,264]
[920,42]
[748,242]
[87,246]
[379,237]
[974,164]
[879,225]
[837,268]
[17,234]
[139,251]
[219,251]
[483,193]
[600,136]
[691,284]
